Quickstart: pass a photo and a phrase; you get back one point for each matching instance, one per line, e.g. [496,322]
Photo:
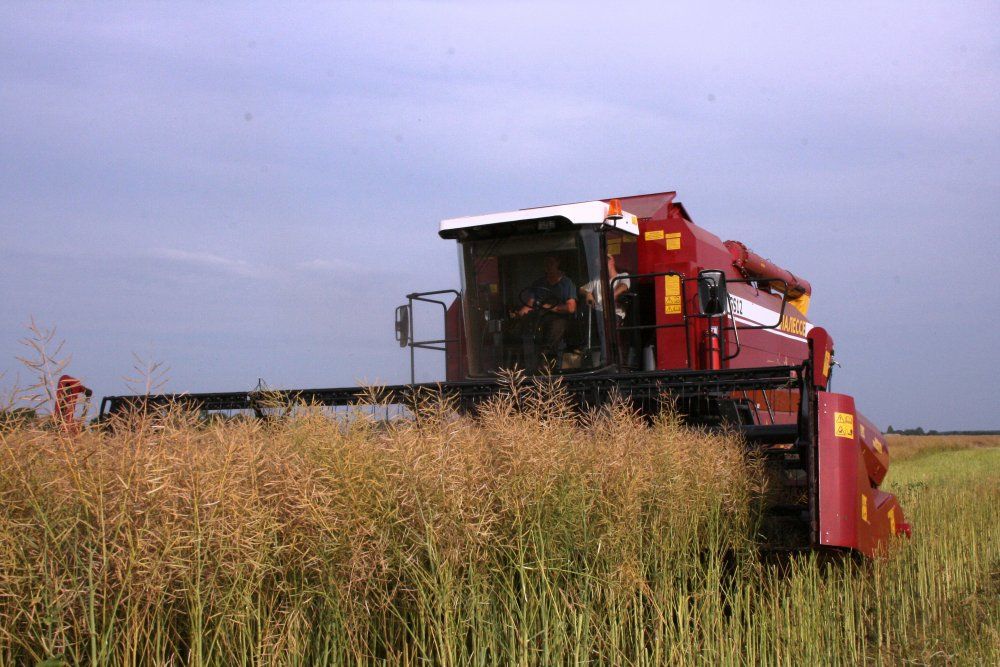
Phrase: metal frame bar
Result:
[438,344]
[637,385]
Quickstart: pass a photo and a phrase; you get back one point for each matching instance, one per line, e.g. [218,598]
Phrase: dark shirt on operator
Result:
[563,291]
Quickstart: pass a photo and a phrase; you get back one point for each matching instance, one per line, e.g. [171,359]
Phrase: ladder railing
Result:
[437,344]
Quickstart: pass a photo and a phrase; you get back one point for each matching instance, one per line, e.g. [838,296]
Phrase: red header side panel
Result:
[853,512]
[874,450]
[839,472]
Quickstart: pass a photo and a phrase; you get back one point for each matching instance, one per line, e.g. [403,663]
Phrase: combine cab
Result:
[629,296]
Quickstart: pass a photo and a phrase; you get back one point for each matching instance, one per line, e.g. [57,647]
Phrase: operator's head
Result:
[612,267]
[552,267]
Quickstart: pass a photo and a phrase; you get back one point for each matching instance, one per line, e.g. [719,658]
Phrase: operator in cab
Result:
[591,293]
[554,296]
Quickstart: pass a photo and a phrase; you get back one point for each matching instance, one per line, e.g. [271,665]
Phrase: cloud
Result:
[211,262]
[335,265]
[238,267]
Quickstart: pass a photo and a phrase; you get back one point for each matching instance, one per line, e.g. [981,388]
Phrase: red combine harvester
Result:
[721,332]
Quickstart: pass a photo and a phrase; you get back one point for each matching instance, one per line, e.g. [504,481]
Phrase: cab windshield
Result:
[523,302]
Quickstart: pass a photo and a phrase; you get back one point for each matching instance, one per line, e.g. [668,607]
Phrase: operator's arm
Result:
[525,309]
[567,290]
[623,285]
[567,308]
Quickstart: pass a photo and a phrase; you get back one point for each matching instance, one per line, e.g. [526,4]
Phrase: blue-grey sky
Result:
[247,190]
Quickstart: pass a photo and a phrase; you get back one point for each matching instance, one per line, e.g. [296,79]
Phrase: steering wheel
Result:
[538,297]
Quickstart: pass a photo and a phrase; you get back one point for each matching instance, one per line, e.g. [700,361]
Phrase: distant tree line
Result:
[920,431]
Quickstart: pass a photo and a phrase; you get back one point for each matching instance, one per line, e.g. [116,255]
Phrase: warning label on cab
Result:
[672,295]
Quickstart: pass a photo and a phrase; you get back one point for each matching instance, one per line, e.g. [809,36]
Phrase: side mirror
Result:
[403,325]
[713,297]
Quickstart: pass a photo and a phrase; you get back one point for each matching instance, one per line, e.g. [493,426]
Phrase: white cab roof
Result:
[583,213]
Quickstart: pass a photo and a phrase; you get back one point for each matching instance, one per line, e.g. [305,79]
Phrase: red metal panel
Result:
[665,245]
[853,512]
[822,356]
[874,450]
[839,500]
[669,241]
[781,345]
[783,403]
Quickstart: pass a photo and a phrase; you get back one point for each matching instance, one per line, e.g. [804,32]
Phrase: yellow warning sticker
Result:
[826,364]
[844,424]
[892,521]
[672,295]
[864,508]
[862,427]
[493,288]
[674,241]
[654,235]
[877,444]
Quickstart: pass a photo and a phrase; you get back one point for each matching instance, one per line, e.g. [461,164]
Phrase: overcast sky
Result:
[247,190]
